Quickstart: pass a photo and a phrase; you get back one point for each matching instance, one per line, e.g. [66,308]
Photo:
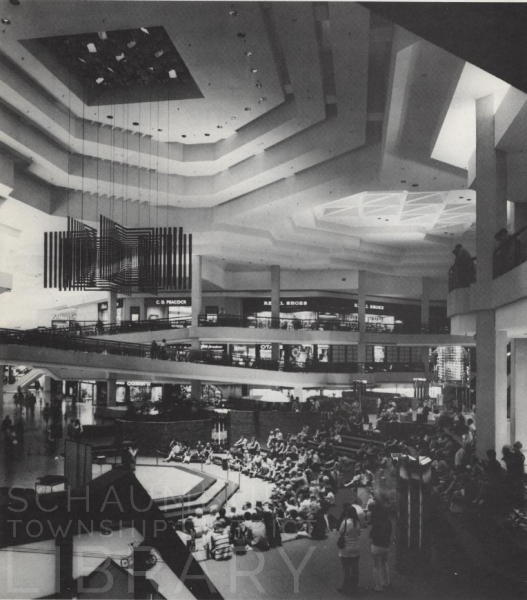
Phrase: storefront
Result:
[178,309]
[334,314]
[300,313]
[64,319]
[103,315]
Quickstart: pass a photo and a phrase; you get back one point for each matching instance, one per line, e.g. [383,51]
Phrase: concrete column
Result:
[195,385]
[197,289]
[491,205]
[425,303]
[519,215]
[112,307]
[46,390]
[111,384]
[491,386]
[361,310]
[275,307]
[518,391]
[195,390]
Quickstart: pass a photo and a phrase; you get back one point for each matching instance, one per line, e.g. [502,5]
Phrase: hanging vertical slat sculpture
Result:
[117,258]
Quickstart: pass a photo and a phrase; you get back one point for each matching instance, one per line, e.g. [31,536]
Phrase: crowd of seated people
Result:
[180,451]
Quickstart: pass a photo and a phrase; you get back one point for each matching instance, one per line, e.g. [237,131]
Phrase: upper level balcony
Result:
[78,357]
[506,293]
[250,329]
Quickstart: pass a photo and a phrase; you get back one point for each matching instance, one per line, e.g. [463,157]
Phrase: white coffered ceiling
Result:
[312,146]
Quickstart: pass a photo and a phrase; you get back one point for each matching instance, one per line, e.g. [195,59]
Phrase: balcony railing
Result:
[510,253]
[253,322]
[96,328]
[40,339]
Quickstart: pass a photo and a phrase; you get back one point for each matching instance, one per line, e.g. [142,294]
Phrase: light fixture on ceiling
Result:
[207,135]
[6,22]
[144,30]
[172,74]
[263,99]
[258,84]
[135,123]
[131,44]
[92,48]
[119,57]
[248,53]
[159,53]
[219,126]
[102,35]
[247,108]
[233,13]
[99,80]
[109,117]
[253,70]
[240,34]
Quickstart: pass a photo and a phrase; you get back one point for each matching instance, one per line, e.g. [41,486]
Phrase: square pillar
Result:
[491,205]
[112,307]
[425,304]
[361,314]
[197,289]
[491,387]
[275,307]
[518,388]
[111,386]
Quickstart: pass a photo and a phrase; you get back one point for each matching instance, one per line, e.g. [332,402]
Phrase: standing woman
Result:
[349,553]
[380,535]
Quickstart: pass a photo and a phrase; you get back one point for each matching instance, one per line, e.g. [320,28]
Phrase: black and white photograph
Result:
[263,300]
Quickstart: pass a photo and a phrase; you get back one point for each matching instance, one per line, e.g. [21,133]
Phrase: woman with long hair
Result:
[380,535]
[349,532]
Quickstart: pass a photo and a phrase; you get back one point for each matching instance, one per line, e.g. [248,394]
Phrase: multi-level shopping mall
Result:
[263,300]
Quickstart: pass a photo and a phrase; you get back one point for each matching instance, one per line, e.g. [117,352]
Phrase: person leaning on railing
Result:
[464,266]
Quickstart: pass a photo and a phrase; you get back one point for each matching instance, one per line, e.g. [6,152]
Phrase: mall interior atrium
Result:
[263,295]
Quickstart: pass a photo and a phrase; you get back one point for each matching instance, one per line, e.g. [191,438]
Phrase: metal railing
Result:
[509,254]
[41,339]
[253,322]
[96,328]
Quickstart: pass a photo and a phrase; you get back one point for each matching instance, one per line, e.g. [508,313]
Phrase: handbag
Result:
[341,542]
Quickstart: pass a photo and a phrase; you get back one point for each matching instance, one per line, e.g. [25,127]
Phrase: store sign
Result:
[371,306]
[65,316]
[216,347]
[102,306]
[169,302]
[265,346]
[288,302]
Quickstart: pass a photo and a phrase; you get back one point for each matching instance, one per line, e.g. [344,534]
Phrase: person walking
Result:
[349,550]
[46,414]
[380,535]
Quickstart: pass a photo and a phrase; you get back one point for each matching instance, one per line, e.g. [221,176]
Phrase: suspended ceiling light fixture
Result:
[102,35]
[119,57]
[172,74]
[159,53]
[99,80]
[92,49]
[144,30]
